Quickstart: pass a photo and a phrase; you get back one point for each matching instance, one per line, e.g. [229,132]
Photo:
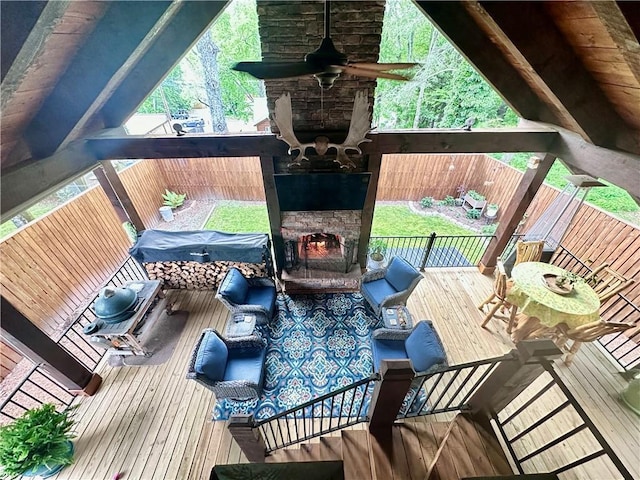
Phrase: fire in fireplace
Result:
[320,245]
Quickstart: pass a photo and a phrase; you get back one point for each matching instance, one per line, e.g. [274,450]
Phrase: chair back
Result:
[500,283]
[607,282]
[594,330]
[529,251]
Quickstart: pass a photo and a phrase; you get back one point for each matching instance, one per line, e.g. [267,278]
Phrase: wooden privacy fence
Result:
[51,266]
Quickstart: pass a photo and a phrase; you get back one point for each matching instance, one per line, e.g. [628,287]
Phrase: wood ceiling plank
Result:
[455,23]
[532,33]
[168,47]
[583,32]
[114,45]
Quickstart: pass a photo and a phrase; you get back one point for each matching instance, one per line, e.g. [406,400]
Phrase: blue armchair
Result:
[391,285]
[231,368]
[248,295]
[422,346]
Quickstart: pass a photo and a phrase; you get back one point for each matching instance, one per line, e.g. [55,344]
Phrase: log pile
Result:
[199,276]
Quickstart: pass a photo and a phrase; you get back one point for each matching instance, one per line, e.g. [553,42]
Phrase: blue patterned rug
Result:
[316,345]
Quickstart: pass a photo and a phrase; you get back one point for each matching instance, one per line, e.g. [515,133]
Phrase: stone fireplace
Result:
[321,249]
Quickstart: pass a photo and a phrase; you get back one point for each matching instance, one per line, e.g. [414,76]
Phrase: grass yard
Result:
[388,221]
[239,217]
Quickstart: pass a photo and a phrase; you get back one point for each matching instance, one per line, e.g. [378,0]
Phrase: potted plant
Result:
[172,200]
[377,250]
[37,443]
[492,210]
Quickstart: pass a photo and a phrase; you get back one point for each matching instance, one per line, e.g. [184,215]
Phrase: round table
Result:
[534,300]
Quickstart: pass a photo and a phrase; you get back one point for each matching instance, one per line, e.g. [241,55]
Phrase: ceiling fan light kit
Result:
[325,63]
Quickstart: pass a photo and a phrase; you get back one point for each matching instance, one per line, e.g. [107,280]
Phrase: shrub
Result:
[449,201]
[475,195]
[489,229]
[173,199]
[427,202]
[473,214]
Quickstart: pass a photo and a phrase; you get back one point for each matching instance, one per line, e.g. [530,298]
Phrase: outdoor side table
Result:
[397,317]
[240,325]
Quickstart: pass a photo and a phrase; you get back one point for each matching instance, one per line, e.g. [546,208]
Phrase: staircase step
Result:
[332,447]
[355,451]
[468,450]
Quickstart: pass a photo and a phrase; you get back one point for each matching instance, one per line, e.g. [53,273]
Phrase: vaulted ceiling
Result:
[72,70]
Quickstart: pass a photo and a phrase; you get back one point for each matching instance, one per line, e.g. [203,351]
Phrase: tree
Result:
[208,53]
[177,90]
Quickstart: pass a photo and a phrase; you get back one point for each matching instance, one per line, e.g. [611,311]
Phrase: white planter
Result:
[167,214]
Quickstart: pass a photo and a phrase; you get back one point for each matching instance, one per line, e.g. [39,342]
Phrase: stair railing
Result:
[319,416]
[581,442]
[447,388]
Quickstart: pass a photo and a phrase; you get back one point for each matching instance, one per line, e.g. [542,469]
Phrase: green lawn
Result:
[388,221]
[235,217]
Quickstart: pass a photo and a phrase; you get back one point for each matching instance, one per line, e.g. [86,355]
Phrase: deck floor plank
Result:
[168,433]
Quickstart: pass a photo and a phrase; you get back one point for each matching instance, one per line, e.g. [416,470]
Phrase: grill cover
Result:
[200,246]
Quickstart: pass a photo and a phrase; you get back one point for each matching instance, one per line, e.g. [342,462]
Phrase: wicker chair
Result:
[255,296]
[607,282]
[389,286]
[529,251]
[498,299]
[237,375]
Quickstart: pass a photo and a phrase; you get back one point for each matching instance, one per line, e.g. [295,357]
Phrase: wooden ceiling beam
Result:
[619,28]
[419,141]
[116,42]
[533,39]
[173,41]
[458,26]
[18,21]
[21,48]
[29,182]
[617,167]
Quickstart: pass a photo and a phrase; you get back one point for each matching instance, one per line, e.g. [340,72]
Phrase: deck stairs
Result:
[411,450]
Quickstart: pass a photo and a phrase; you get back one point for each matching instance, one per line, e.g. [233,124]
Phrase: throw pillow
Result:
[234,287]
[424,348]
[211,359]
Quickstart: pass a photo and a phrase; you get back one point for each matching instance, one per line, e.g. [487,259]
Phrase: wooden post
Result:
[117,189]
[34,344]
[511,378]
[273,210]
[374,164]
[249,439]
[522,198]
[389,393]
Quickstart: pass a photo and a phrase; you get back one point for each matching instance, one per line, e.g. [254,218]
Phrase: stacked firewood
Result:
[199,276]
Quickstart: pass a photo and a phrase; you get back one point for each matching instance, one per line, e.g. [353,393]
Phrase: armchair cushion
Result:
[400,274]
[265,296]
[387,350]
[245,364]
[378,290]
[211,358]
[424,348]
[234,286]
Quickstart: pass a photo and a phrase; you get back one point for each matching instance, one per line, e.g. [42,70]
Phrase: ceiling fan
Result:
[325,63]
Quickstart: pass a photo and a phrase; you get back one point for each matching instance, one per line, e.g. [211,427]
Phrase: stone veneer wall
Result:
[289,30]
[345,223]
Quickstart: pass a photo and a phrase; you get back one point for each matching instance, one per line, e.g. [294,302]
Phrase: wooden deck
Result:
[151,423]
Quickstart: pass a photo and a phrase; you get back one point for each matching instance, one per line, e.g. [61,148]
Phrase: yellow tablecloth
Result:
[534,299]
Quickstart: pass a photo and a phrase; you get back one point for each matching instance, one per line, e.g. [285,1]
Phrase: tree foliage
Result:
[445,91]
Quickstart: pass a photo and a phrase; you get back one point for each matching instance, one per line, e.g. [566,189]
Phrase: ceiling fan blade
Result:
[363,72]
[273,70]
[383,67]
